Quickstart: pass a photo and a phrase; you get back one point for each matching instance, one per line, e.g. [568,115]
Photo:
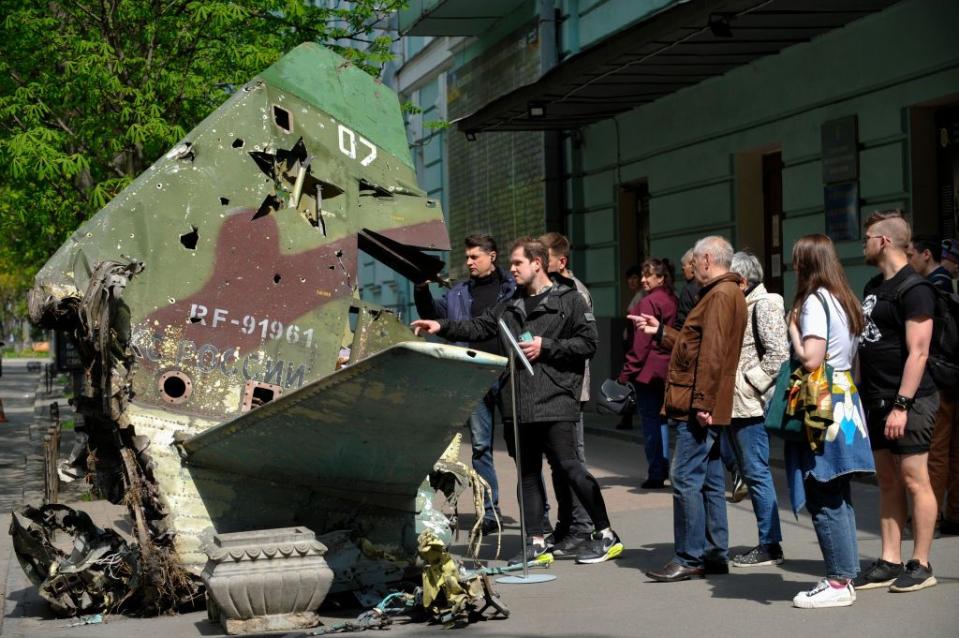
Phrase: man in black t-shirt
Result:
[944,449]
[901,401]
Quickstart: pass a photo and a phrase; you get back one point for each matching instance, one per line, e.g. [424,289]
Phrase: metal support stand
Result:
[516,351]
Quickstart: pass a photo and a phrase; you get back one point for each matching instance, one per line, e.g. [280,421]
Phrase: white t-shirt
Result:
[842,346]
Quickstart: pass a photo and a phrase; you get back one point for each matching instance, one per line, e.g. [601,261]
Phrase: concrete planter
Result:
[266,580]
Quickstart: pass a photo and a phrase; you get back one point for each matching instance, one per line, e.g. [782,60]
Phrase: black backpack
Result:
[943,362]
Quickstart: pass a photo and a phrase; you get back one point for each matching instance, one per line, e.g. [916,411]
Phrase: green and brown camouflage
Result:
[214,303]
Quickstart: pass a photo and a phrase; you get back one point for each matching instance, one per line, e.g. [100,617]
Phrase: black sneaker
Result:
[570,545]
[914,578]
[881,573]
[760,556]
[716,567]
[490,526]
[653,484]
[599,548]
[533,552]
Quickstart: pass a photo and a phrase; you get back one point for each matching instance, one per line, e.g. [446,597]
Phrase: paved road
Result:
[615,598]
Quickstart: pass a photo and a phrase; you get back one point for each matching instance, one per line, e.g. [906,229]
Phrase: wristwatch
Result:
[903,403]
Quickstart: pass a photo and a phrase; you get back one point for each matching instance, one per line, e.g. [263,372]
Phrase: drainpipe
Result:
[555,219]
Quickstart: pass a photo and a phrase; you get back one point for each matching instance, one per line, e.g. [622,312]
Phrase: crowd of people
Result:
[705,365]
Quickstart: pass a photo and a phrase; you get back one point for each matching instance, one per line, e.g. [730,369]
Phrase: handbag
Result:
[801,404]
[616,398]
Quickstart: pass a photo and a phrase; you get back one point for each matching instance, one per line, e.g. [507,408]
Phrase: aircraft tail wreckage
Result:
[234,379]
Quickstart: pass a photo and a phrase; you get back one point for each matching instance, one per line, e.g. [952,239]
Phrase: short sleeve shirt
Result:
[883,349]
[841,349]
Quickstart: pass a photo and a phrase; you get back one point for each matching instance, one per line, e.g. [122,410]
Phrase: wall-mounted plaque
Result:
[842,211]
[840,150]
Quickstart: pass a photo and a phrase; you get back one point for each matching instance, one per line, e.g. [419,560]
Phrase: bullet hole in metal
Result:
[332,267]
[159,186]
[277,278]
[471,353]
[282,118]
[195,319]
[224,201]
[238,143]
[338,253]
[190,239]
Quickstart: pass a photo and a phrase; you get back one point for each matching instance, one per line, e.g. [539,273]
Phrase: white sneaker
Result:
[825,595]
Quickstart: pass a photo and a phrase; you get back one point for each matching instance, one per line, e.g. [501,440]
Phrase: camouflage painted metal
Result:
[234,379]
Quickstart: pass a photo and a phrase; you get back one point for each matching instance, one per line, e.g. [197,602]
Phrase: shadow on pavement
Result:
[645,557]
[765,588]
[28,604]
[631,482]
[206,628]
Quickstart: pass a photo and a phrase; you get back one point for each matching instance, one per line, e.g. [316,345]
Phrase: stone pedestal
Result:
[266,580]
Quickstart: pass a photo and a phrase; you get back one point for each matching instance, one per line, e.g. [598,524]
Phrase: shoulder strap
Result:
[911,282]
[757,342]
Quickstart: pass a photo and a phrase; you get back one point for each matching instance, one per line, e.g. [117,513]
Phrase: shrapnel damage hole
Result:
[281,117]
[190,239]
[238,143]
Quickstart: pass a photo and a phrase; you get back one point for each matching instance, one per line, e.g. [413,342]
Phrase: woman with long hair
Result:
[646,365]
[824,326]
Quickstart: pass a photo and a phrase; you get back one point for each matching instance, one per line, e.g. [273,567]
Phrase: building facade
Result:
[665,121]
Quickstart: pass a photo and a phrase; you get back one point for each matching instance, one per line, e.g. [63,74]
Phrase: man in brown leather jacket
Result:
[699,397]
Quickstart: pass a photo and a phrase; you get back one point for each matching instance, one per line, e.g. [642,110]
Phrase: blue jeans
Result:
[834,519]
[481,437]
[728,455]
[749,442]
[700,530]
[649,400]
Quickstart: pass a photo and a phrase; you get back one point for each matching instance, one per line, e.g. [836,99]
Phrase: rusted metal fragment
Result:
[100,574]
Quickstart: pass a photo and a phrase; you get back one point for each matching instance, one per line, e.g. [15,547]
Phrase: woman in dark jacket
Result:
[646,365]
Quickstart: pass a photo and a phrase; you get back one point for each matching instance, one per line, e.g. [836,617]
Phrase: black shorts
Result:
[920,422]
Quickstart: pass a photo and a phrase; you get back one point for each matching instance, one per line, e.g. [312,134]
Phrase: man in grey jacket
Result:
[558,334]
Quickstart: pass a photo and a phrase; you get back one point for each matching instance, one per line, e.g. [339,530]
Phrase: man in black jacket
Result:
[557,333]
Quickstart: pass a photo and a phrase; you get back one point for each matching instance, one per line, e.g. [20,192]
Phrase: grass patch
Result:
[25,354]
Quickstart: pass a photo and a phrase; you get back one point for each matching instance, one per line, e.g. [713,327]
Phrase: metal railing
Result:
[51,456]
